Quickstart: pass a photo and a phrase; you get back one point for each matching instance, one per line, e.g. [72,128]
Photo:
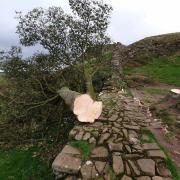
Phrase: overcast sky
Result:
[131,20]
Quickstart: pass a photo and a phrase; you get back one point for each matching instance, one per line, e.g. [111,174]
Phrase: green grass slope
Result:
[163,69]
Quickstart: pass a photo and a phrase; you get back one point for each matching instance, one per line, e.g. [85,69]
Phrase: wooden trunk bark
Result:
[82,105]
[89,85]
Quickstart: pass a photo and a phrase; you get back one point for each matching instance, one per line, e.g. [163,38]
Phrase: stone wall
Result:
[155,46]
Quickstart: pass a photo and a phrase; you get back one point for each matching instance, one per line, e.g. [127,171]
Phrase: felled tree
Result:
[71,40]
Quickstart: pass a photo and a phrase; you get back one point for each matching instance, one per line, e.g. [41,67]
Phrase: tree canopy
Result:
[66,36]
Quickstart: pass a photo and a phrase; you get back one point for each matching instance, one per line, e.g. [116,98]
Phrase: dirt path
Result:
[172,144]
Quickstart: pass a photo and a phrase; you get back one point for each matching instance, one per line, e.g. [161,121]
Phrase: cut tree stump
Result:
[175,93]
[82,105]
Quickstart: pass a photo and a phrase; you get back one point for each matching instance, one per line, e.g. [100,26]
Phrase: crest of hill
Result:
[142,51]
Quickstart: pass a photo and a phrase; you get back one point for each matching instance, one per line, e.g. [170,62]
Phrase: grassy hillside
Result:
[164,38]
[163,69]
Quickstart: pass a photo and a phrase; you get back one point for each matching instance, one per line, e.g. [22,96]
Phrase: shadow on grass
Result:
[16,164]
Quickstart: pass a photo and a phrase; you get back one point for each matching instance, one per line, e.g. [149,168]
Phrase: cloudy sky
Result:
[131,20]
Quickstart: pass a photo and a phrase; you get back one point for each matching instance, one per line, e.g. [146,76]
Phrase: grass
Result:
[83,146]
[171,165]
[164,69]
[166,118]
[3,81]
[155,91]
[16,164]
[128,93]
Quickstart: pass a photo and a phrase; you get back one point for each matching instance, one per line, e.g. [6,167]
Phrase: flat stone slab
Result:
[67,164]
[103,138]
[144,178]
[70,150]
[101,167]
[137,128]
[156,153]
[150,146]
[118,165]
[115,146]
[157,178]
[88,171]
[99,152]
[147,166]
[134,167]
[126,178]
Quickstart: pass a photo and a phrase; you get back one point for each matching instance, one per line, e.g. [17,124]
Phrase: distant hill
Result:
[142,51]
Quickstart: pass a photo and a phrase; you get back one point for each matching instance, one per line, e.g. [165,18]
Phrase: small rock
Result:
[111,140]
[115,146]
[86,136]
[144,178]
[89,172]
[113,117]
[118,165]
[101,167]
[133,140]
[147,166]
[71,178]
[133,133]
[70,150]
[99,152]
[126,178]
[131,127]
[103,138]
[137,147]
[125,133]
[116,130]
[132,156]
[105,130]
[117,125]
[92,140]
[128,148]
[88,128]
[97,125]
[67,164]
[134,167]
[72,133]
[128,170]
[156,153]
[119,120]
[118,140]
[95,134]
[79,135]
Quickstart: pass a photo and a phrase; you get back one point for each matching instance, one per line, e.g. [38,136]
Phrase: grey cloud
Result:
[131,19]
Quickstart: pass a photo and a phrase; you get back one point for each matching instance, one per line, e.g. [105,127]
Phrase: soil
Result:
[168,137]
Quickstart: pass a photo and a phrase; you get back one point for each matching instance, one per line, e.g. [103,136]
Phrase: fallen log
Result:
[82,105]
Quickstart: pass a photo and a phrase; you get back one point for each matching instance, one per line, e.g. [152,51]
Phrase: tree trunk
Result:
[82,105]
[89,84]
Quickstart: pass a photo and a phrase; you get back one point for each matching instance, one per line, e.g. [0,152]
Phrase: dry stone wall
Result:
[117,149]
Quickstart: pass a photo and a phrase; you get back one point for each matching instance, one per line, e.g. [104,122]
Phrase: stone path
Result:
[117,150]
